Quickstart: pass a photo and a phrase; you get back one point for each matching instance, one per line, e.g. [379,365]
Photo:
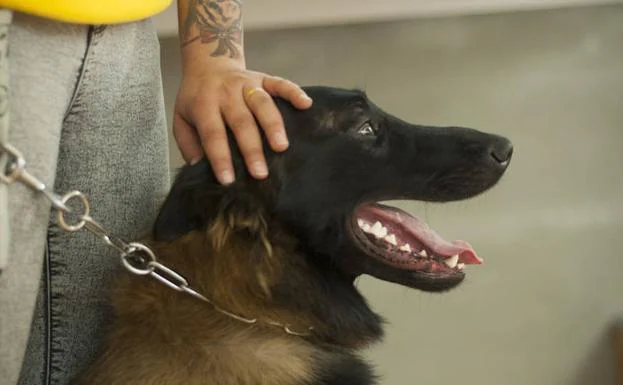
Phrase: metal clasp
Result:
[15,171]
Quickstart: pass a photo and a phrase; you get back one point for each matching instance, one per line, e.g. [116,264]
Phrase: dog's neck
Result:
[272,280]
[337,311]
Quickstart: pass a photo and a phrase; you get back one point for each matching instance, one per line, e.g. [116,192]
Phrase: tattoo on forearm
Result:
[215,21]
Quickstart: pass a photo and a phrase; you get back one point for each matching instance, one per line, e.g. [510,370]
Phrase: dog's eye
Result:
[366,130]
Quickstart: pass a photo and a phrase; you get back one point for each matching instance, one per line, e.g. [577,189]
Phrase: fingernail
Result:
[194,161]
[306,97]
[259,169]
[280,139]
[227,177]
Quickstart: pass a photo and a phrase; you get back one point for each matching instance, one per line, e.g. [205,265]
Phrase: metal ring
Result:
[15,166]
[61,214]
[134,247]
[249,92]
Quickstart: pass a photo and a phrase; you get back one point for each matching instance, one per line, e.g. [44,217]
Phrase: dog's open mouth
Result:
[406,242]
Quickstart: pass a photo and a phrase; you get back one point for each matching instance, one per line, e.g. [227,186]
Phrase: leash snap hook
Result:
[16,164]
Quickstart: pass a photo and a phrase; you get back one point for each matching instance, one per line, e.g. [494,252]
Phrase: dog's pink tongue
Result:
[421,231]
[440,246]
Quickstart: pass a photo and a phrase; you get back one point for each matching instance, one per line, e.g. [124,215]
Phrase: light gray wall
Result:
[539,310]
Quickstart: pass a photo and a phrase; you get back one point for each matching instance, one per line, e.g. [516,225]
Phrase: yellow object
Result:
[89,11]
[251,91]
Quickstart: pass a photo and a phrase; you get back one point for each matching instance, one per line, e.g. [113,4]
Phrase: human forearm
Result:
[218,92]
[211,34]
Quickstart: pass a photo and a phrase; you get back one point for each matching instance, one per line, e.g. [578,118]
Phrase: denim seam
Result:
[55,326]
[48,315]
[92,39]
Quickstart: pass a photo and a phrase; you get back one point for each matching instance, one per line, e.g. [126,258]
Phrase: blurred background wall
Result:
[547,74]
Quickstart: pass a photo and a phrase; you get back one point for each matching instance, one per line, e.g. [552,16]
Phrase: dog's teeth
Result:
[423,253]
[460,266]
[367,228]
[360,222]
[406,247]
[379,230]
[452,261]
[391,238]
[376,228]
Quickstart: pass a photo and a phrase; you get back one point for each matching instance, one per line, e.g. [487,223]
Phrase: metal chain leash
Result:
[136,257]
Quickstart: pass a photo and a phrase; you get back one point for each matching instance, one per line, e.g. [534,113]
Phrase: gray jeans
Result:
[87,111]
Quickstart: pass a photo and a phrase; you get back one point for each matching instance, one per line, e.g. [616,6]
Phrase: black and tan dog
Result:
[286,250]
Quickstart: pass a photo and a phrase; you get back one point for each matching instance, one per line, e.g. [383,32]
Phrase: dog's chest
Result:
[262,360]
[283,360]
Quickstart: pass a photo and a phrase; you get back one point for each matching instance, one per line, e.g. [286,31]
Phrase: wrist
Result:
[196,63]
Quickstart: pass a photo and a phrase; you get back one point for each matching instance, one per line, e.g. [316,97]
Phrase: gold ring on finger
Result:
[251,91]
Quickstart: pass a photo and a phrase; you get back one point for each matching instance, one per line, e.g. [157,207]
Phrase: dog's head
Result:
[346,154]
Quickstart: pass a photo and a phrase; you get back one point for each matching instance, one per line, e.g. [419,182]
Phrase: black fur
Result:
[329,170]
[315,186]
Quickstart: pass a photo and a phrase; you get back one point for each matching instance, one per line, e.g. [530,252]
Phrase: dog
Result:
[277,258]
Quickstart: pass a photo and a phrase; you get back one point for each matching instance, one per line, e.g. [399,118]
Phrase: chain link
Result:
[136,257]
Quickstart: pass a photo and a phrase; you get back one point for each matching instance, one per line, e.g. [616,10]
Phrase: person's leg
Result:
[114,149]
[45,60]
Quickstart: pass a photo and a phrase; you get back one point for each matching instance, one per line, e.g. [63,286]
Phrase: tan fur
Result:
[161,331]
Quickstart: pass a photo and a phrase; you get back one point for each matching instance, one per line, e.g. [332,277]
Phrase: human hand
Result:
[210,100]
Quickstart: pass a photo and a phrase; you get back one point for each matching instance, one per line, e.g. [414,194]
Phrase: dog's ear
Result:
[190,204]
[235,219]
[197,199]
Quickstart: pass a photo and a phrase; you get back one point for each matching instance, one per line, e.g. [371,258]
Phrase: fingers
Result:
[268,116]
[187,140]
[213,137]
[242,122]
[288,90]
[200,125]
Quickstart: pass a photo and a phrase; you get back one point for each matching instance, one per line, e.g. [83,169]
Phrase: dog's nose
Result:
[501,151]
